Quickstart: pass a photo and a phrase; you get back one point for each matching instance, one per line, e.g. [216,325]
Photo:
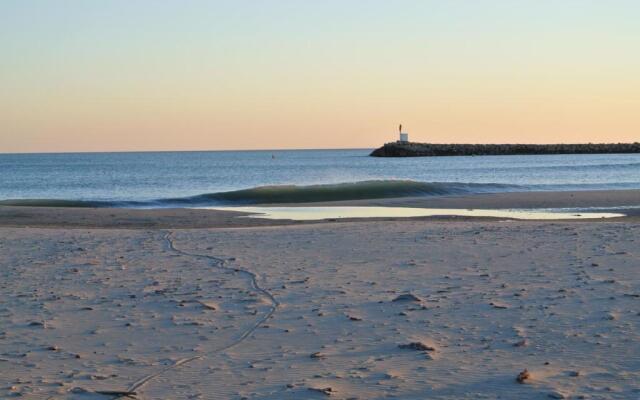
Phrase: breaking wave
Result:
[375,189]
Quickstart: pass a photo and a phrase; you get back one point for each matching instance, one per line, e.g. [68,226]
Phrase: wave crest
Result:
[348,191]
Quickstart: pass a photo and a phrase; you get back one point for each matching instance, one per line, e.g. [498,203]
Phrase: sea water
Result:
[320,213]
[184,179]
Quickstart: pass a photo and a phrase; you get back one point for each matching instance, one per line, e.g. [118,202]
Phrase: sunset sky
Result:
[213,75]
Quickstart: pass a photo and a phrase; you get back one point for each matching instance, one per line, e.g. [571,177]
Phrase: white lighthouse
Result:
[404,137]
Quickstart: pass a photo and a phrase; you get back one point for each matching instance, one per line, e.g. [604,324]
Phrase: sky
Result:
[129,75]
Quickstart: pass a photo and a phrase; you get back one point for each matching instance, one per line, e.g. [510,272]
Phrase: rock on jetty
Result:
[397,149]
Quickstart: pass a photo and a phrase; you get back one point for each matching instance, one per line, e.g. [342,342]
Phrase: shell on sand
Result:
[208,304]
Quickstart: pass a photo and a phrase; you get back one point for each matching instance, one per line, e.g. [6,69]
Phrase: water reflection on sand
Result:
[320,213]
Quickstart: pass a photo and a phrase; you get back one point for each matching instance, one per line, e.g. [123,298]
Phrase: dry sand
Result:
[307,311]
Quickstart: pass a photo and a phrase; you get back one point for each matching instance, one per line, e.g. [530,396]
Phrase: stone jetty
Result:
[410,149]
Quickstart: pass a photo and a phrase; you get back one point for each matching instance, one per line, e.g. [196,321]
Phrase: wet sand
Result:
[524,200]
[195,218]
[367,309]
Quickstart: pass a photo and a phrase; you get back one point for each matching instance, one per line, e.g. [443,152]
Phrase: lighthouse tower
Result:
[404,137]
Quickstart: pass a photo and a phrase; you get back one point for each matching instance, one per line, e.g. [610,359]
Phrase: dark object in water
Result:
[397,149]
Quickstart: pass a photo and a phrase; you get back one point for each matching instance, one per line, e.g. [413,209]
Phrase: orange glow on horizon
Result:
[262,76]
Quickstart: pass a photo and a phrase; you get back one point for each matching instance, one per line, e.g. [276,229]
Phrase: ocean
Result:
[212,178]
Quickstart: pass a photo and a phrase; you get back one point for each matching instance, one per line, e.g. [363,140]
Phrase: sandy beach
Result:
[195,304]
[292,200]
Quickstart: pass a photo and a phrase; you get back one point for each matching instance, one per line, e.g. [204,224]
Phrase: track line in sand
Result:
[220,264]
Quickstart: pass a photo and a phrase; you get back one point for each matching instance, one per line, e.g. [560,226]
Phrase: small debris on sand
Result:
[521,343]
[318,354]
[417,346]
[117,393]
[208,304]
[326,391]
[499,305]
[407,297]
[523,376]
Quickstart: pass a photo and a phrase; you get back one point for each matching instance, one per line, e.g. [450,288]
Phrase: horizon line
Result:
[181,151]
[281,149]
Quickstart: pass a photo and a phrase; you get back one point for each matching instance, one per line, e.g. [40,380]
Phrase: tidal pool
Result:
[320,213]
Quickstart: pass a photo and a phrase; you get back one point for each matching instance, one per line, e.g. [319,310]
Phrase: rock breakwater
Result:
[396,149]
